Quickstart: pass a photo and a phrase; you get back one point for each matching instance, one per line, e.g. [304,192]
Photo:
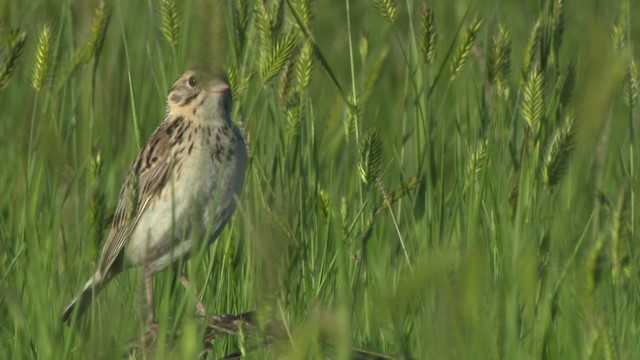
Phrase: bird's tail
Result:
[82,301]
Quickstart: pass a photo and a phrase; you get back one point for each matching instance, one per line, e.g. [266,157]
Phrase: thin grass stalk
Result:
[40,75]
[136,126]
[387,201]
[97,203]
[94,49]
[354,95]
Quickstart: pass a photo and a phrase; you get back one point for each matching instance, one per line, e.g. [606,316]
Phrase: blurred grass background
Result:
[429,179]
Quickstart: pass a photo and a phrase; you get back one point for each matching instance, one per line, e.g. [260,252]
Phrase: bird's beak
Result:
[219,88]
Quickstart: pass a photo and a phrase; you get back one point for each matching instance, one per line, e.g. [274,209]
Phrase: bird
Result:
[185,180]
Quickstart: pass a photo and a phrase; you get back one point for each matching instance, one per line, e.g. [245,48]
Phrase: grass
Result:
[428,180]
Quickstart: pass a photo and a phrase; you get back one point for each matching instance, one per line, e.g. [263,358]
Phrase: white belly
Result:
[202,197]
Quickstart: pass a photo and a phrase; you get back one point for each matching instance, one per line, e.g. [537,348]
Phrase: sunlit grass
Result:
[427,180]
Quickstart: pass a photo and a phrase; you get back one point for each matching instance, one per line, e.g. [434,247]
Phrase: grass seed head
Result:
[558,155]
[532,104]
[43,59]
[387,9]
[14,47]
[170,21]
[370,151]
[429,35]
[461,55]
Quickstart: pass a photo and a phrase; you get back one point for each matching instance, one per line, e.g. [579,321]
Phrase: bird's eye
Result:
[192,80]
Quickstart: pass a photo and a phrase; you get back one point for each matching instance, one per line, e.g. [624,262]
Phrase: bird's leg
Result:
[148,286]
[201,308]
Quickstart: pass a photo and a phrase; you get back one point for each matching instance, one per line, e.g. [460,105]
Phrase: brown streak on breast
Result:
[219,152]
[178,172]
[175,123]
[181,131]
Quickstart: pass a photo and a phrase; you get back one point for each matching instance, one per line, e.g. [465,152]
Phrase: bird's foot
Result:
[151,337]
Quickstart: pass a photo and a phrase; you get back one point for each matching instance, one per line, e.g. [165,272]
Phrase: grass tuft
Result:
[595,265]
[240,19]
[287,75]
[620,257]
[619,37]
[499,64]
[93,46]
[568,85]
[98,30]
[558,155]
[429,35]
[43,58]
[304,67]
[263,27]
[281,53]
[370,151]
[293,113]
[533,103]
[475,165]
[461,55]
[632,87]
[398,193]
[387,9]
[372,76]
[323,204]
[170,22]
[304,10]
[558,24]
[97,203]
[15,44]
[532,47]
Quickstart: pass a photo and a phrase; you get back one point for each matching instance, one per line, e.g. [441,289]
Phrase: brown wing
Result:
[147,176]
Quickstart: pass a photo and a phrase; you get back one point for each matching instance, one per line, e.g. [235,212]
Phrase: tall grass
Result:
[427,179]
